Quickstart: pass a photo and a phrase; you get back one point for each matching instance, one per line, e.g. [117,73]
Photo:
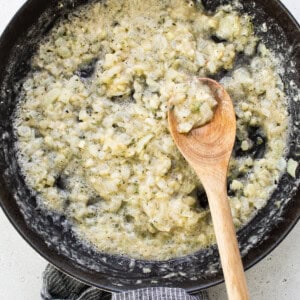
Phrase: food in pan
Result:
[92,132]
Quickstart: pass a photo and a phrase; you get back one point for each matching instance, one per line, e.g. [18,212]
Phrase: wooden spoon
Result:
[208,149]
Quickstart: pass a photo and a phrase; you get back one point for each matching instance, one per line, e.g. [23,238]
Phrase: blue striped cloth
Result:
[59,286]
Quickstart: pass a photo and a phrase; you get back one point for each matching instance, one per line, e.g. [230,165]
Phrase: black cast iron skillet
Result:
[51,234]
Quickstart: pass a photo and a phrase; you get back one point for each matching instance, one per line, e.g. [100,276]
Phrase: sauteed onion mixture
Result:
[91,124]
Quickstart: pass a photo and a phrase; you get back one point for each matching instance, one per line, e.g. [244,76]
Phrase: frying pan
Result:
[52,235]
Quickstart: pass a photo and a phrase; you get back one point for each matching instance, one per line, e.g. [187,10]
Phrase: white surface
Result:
[276,277]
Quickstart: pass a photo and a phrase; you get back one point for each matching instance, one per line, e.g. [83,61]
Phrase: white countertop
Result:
[276,277]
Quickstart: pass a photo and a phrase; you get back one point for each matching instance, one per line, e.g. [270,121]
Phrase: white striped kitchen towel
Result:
[59,286]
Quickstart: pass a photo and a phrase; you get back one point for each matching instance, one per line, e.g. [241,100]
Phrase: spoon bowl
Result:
[212,143]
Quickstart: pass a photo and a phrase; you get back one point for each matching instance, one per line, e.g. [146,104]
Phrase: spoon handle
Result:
[227,243]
